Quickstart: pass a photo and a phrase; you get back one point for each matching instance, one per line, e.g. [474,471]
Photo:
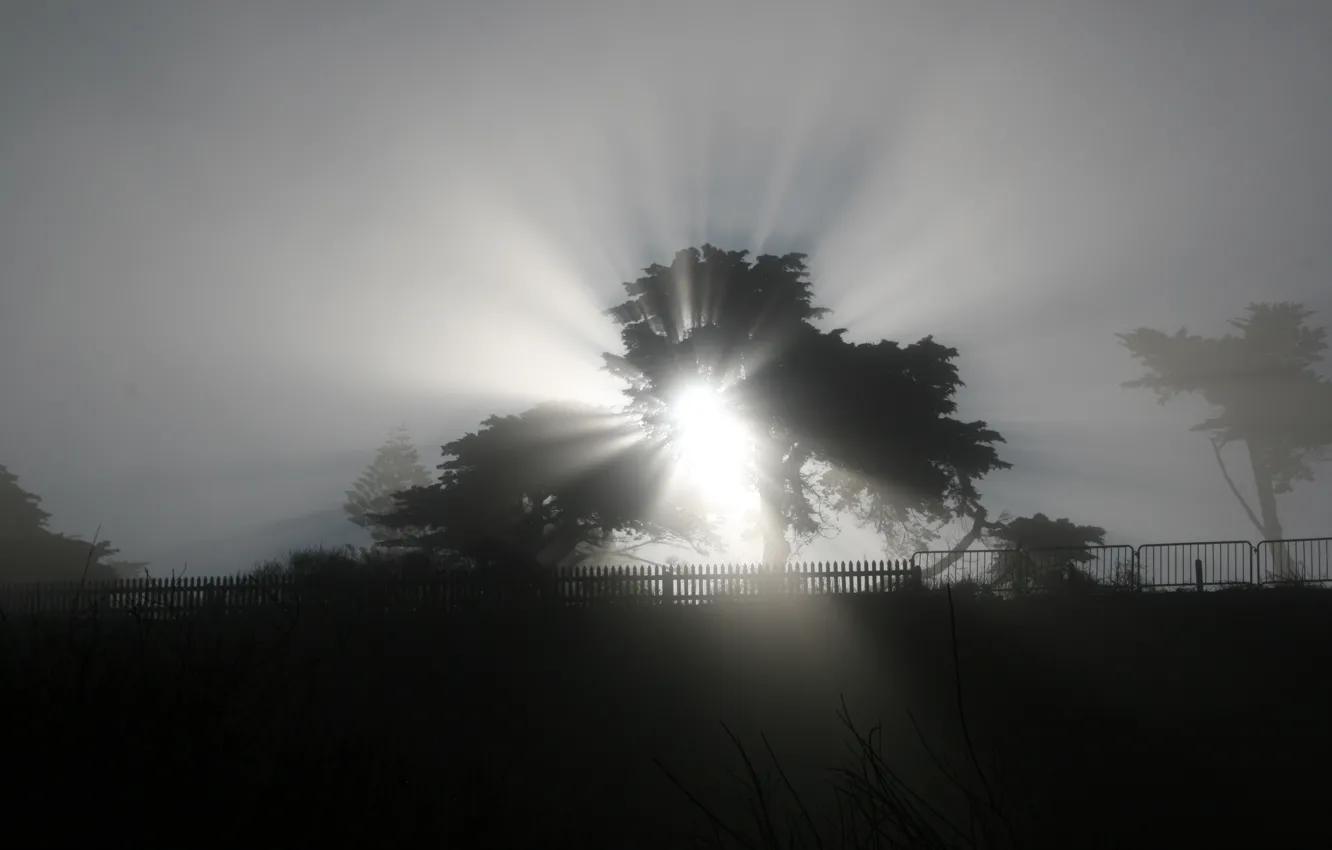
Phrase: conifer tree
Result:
[396,468]
[1267,396]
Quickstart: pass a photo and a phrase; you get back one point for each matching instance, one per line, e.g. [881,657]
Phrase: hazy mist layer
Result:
[241,242]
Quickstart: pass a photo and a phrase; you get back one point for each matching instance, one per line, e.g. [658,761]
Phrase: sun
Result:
[714,445]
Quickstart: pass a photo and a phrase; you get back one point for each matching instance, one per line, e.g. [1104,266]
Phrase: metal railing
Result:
[1202,565]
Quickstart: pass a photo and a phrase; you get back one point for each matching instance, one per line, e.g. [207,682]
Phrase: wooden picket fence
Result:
[574,587]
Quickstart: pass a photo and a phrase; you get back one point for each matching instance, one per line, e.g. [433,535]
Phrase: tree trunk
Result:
[1283,567]
[977,528]
[776,548]
[772,505]
[1267,505]
[560,544]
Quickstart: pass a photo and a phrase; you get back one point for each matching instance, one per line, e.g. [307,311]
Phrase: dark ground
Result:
[1111,720]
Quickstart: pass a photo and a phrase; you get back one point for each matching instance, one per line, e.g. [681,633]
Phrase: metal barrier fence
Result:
[1205,565]
[1304,559]
[1019,570]
[1177,564]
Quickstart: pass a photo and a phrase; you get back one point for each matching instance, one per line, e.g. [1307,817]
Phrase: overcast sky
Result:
[240,241]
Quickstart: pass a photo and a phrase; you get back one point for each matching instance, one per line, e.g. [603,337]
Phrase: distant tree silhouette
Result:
[396,468]
[1050,552]
[20,511]
[1264,391]
[29,551]
[121,569]
[862,428]
[552,486]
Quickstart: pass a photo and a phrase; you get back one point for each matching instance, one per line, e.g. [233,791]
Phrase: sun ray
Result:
[713,446]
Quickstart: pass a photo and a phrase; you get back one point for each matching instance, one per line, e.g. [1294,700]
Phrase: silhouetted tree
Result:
[29,551]
[552,486]
[865,428]
[396,468]
[128,569]
[21,513]
[1264,391]
[1049,552]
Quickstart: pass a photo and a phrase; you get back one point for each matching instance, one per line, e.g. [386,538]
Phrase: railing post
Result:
[1198,574]
[916,580]
[667,586]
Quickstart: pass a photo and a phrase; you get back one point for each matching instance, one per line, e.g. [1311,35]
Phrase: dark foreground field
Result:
[1117,720]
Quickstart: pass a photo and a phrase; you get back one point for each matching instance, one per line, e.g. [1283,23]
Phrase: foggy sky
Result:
[240,241]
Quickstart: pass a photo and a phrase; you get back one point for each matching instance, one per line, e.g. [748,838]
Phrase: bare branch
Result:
[978,527]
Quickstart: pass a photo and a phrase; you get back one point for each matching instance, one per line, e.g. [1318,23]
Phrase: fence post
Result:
[916,580]
[667,586]
[1198,574]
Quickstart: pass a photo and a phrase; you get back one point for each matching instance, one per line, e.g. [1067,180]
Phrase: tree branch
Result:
[1230,482]
[627,550]
[636,558]
[978,527]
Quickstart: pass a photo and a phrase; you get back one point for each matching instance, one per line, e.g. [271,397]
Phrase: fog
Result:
[241,241]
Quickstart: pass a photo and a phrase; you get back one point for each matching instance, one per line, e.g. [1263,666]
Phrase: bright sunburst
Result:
[714,446]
